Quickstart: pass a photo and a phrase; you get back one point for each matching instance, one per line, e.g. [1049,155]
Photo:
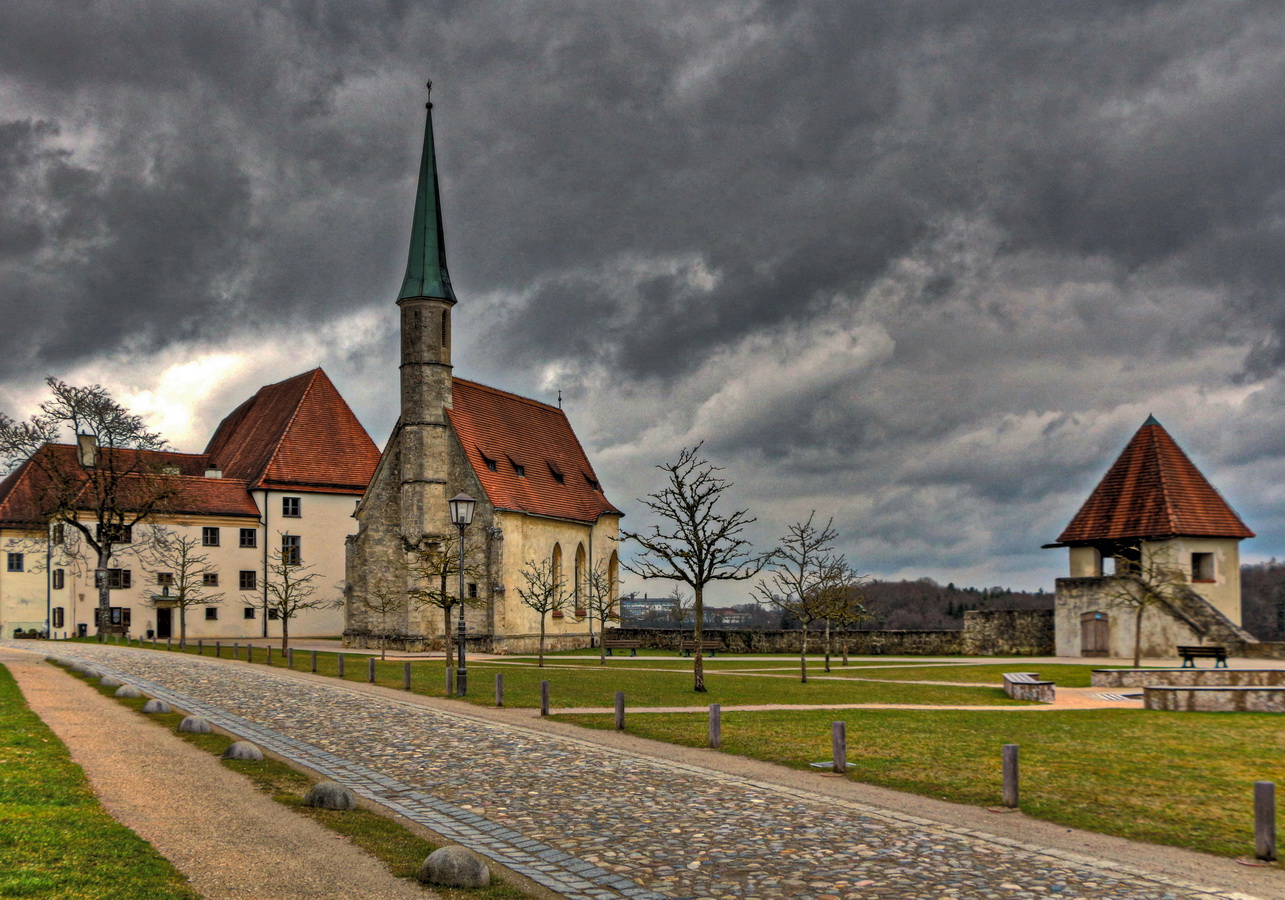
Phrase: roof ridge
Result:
[1170,513]
[281,435]
[495,390]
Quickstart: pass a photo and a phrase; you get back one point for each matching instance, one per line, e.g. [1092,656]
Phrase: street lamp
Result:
[461,516]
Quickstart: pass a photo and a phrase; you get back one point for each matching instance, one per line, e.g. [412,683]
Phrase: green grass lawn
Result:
[55,838]
[1184,779]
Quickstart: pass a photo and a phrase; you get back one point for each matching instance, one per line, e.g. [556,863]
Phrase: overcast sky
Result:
[922,267]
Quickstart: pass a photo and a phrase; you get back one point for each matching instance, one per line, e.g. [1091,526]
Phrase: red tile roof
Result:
[1153,491]
[521,435]
[298,434]
[21,494]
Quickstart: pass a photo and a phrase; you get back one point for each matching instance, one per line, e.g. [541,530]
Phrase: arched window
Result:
[557,573]
[613,580]
[578,588]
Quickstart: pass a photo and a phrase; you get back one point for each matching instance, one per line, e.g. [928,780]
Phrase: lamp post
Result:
[461,516]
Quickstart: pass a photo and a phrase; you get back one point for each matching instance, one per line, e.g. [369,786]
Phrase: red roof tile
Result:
[298,434]
[521,435]
[1153,491]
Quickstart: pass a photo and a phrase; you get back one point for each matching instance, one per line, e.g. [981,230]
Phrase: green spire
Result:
[1151,420]
[426,274]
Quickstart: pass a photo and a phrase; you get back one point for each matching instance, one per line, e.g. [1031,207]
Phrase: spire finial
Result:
[429,104]
[559,398]
[426,274]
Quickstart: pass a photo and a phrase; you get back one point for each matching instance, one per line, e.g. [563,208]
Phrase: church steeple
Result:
[426,274]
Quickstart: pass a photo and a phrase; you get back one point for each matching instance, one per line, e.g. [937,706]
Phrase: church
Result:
[538,497]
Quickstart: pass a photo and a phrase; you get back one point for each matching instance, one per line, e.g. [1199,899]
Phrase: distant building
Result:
[538,496]
[1153,504]
[284,468]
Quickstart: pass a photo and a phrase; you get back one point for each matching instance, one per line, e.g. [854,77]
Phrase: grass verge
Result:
[397,847]
[56,840]
[1184,779]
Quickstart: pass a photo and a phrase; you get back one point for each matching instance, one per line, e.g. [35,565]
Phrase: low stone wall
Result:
[1189,677]
[1008,632]
[474,643]
[1214,699]
[860,643]
[1264,650]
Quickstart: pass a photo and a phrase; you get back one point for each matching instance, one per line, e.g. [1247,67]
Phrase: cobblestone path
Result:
[593,822]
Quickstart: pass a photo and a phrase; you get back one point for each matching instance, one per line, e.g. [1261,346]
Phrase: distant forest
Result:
[927,605]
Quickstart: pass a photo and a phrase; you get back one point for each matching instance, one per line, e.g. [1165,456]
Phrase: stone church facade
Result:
[538,496]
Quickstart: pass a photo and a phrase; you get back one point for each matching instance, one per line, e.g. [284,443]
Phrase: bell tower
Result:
[425,300]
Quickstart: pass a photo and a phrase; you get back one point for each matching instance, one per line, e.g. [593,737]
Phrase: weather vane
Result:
[429,104]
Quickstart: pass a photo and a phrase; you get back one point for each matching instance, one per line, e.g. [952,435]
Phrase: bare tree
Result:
[680,607]
[291,589]
[386,599]
[599,603]
[803,578]
[850,610]
[112,479]
[840,600]
[435,568]
[698,542]
[181,571]
[544,589]
[1151,579]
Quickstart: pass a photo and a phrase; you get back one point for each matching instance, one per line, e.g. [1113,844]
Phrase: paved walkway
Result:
[597,822]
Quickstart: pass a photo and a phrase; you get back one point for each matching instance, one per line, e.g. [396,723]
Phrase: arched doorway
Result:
[1095,634]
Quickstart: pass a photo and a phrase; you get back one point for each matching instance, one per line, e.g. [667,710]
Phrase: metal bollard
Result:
[341,665]
[200,647]
[1010,776]
[406,676]
[314,662]
[1265,820]
[370,670]
[544,698]
[839,744]
[620,710]
[218,649]
[269,656]
[499,688]
[715,725]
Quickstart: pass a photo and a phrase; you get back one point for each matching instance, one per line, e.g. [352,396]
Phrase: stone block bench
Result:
[710,647]
[1027,686]
[1186,698]
[1191,654]
[631,646]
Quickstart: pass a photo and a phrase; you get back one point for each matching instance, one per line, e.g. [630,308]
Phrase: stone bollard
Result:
[544,698]
[450,682]
[406,676]
[110,681]
[341,665]
[499,688]
[243,750]
[169,644]
[128,691]
[200,646]
[218,649]
[269,656]
[329,795]
[715,725]
[1010,776]
[839,744]
[1265,820]
[194,725]
[620,710]
[455,866]
[236,651]
[370,670]
[156,706]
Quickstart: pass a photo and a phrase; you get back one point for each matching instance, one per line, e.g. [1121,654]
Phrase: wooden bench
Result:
[631,646]
[710,647]
[1191,654]
[1027,686]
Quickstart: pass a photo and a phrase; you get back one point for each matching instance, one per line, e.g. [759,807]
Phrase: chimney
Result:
[87,450]
[213,472]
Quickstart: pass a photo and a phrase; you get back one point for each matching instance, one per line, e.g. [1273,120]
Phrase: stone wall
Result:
[1008,632]
[861,643]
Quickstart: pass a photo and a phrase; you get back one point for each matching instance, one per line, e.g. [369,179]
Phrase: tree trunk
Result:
[698,633]
[602,639]
[182,627]
[1137,637]
[845,648]
[450,645]
[285,631]
[104,594]
[541,664]
[803,654]
[827,645]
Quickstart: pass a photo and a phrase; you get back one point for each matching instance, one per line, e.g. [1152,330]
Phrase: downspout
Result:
[49,583]
[589,584]
[264,587]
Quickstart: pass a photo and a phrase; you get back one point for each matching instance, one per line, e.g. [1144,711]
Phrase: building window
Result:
[114,533]
[119,579]
[209,536]
[16,562]
[490,463]
[249,538]
[1202,567]
[273,614]
[290,507]
[58,579]
[247,613]
[291,550]
[165,579]
[211,613]
[472,591]
[518,468]
[249,579]
[446,329]
[117,615]
[557,476]
[58,617]
[210,579]
[59,533]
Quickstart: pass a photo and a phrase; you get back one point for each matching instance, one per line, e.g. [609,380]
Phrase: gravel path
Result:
[589,821]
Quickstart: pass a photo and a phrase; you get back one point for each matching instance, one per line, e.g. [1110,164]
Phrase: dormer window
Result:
[592,482]
[518,469]
[490,463]
[557,476]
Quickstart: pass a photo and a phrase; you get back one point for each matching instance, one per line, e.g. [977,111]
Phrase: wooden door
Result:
[1095,639]
[164,618]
